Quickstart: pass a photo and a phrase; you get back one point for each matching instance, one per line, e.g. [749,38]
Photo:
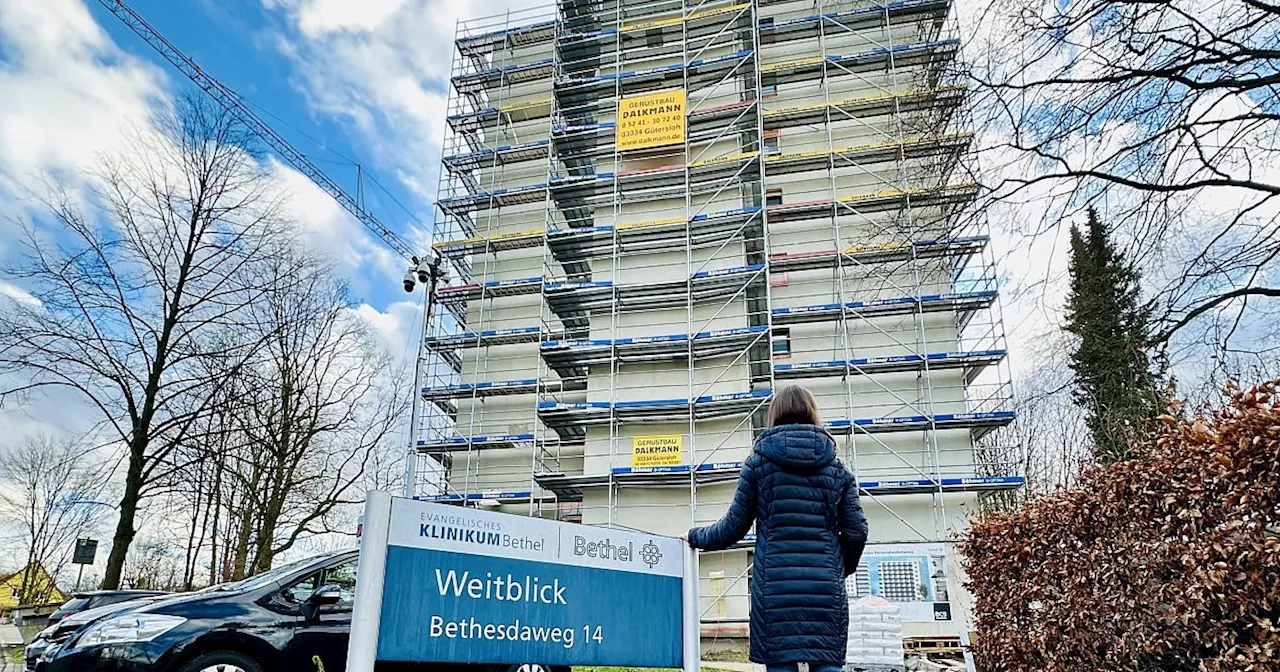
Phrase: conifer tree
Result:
[1114,381]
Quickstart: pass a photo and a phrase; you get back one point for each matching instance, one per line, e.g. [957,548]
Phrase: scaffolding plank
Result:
[488,42]
[501,388]
[960,302]
[865,366]
[979,422]
[915,100]
[930,248]
[890,13]
[488,337]
[511,112]
[500,496]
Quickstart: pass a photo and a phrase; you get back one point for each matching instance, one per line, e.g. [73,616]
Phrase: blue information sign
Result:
[467,585]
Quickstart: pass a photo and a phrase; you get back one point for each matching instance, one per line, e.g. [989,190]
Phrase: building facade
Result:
[655,213]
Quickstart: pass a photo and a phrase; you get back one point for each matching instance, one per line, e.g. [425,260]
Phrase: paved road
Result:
[6,666]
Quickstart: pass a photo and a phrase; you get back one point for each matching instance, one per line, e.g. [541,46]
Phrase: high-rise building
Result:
[655,213]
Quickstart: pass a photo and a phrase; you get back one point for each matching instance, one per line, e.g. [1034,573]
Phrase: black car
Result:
[295,618]
[57,634]
[97,598]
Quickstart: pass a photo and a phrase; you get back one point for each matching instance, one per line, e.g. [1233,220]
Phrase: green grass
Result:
[14,656]
[616,669]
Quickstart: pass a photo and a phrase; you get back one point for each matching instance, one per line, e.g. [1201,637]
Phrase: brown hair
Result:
[793,405]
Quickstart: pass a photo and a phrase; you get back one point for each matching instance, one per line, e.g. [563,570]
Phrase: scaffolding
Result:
[809,229]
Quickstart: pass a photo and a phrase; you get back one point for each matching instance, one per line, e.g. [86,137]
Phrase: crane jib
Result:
[232,103]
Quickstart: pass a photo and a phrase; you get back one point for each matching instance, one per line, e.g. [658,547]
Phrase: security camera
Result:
[423,275]
[408,281]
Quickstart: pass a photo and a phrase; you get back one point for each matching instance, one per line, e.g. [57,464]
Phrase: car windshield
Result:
[74,604]
[272,575]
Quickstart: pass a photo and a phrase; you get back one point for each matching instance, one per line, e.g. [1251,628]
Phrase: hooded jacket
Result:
[810,534]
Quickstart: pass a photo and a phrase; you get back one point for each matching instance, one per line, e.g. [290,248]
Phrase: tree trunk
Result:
[242,545]
[266,537]
[212,511]
[125,530]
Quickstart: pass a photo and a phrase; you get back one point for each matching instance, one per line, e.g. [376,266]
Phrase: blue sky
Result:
[344,80]
[243,44]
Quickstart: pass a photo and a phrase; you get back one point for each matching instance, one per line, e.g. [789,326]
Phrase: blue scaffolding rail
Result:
[572,488]
[973,362]
[573,358]
[977,423]
[961,303]
[570,419]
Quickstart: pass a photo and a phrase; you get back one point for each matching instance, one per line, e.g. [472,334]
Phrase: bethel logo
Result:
[602,549]
[650,554]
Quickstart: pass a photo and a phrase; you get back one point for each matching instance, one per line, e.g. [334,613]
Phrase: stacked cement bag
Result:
[875,636]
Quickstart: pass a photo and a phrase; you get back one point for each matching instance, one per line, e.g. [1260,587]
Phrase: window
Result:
[858,584]
[773,196]
[653,38]
[768,86]
[77,604]
[344,577]
[900,581]
[772,144]
[300,591]
[781,343]
[766,30]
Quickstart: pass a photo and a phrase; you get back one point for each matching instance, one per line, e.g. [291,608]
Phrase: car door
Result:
[319,644]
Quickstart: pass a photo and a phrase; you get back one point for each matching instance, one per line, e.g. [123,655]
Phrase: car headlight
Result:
[128,628]
[51,652]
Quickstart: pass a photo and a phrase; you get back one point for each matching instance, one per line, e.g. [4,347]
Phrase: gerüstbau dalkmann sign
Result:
[468,585]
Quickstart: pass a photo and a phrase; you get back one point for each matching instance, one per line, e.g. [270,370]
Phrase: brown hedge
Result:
[1170,561]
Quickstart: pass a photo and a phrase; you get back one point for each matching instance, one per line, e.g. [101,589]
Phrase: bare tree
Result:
[1050,433]
[156,565]
[132,283]
[316,410]
[299,432]
[47,488]
[1164,114]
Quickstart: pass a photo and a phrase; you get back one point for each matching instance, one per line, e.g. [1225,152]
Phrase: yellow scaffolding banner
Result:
[656,451]
[651,120]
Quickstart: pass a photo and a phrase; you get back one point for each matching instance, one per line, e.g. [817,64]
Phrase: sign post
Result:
[371,572]
[86,551]
[441,583]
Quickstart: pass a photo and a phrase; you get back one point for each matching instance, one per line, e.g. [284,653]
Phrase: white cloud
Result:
[397,327]
[383,67]
[17,293]
[68,96]
[330,230]
[69,92]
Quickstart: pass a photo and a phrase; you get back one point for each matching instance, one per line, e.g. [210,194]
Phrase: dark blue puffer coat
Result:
[810,534]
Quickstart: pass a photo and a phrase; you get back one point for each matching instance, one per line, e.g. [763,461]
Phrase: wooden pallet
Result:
[932,645]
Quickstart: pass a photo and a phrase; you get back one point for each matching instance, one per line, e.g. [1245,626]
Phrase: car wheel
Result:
[223,661]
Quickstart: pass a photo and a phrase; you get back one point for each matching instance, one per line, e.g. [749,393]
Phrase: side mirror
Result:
[323,596]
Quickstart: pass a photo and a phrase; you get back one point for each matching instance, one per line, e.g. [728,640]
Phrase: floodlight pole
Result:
[435,271]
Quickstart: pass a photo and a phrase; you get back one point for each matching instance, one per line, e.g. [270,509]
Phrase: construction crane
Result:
[233,104]
[428,271]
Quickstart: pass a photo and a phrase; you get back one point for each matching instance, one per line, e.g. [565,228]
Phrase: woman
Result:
[810,533]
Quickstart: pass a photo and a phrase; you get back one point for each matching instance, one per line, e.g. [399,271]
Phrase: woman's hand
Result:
[684,536]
